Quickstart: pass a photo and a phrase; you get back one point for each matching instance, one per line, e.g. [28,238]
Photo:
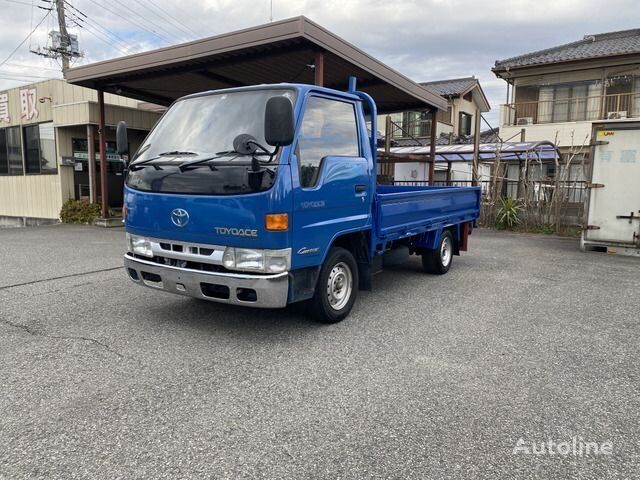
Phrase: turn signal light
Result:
[276,221]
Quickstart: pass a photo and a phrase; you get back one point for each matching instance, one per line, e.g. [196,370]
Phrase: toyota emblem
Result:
[179,217]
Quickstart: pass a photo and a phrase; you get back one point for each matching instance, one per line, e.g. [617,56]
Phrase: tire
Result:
[439,261]
[336,288]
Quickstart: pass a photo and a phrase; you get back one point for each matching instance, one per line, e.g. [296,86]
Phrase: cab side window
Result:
[328,129]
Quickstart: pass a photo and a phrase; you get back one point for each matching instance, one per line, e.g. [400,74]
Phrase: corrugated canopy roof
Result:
[509,152]
[272,53]
[610,44]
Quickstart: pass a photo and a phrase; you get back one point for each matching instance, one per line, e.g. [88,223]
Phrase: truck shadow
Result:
[214,317]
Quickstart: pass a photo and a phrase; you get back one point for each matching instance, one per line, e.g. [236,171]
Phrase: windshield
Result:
[201,130]
[208,124]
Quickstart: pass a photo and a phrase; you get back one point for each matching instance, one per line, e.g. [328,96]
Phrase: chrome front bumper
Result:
[263,291]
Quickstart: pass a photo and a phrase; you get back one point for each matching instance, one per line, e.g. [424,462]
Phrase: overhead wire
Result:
[84,21]
[147,18]
[25,39]
[135,24]
[165,16]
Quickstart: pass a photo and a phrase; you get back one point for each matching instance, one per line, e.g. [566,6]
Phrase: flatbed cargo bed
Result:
[403,211]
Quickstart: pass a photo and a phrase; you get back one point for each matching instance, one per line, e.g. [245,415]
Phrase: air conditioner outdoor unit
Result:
[617,115]
[524,121]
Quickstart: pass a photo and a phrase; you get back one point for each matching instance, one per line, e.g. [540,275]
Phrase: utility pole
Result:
[64,35]
[63,45]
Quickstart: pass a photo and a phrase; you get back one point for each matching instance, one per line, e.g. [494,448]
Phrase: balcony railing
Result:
[411,129]
[600,107]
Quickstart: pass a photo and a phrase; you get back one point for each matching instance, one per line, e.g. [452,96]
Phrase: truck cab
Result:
[264,196]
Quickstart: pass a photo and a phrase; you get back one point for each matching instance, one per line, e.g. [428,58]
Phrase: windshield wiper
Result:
[176,153]
[183,166]
[145,163]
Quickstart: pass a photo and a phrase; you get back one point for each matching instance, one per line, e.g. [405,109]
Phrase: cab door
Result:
[331,176]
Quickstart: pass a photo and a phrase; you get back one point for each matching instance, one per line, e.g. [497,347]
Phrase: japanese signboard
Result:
[28,103]
[4,108]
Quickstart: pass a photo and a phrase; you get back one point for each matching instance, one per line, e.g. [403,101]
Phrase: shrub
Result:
[509,213]
[79,211]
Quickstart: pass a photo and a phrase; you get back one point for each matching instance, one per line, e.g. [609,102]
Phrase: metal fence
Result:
[548,202]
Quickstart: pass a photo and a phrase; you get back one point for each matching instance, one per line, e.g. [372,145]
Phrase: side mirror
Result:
[278,122]
[122,143]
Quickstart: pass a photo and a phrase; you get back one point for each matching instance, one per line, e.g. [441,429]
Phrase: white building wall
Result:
[562,134]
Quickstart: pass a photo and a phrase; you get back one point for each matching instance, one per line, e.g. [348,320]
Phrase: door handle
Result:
[361,188]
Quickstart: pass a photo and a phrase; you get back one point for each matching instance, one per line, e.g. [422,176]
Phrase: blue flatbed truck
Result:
[264,196]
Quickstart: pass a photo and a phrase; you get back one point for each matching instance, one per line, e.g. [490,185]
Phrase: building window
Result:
[623,96]
[10,151]
[464,124]
[444,117]
[4,163]
[40,149]
[569,102]
[328,129]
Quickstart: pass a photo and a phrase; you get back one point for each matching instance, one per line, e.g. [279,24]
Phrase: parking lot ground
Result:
[430,377]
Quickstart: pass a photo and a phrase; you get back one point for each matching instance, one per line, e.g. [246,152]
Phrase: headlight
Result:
[249,259]
[277,261]
[139,245]
[268,261]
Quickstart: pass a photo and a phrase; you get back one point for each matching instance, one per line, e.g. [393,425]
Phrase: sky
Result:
[422,39]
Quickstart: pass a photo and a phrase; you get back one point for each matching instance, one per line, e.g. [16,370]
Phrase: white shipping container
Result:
[613,212]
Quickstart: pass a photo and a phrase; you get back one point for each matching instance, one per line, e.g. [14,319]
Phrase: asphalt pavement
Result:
[526,340]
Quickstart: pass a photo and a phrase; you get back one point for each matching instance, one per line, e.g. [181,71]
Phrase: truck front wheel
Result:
[337,287]
[438,261]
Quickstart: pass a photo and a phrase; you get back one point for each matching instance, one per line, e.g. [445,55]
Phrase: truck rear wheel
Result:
[337,287]
[438,261]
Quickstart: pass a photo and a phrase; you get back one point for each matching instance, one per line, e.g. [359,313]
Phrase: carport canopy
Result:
[295,50]
[487,152]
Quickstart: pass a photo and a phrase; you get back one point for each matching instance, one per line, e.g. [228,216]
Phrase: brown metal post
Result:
[432,149]
[523,134]
[476,148]
[104,189]
[387,134]
[448,174]
[91,162]
[318,71]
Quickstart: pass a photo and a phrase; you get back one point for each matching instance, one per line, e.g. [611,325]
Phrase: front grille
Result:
[191,249]
[174,262]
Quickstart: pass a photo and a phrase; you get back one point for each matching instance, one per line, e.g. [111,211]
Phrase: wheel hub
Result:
[446,251]
[339,286]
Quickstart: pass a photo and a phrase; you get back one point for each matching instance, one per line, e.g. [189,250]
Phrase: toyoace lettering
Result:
[238,232]
[279,185]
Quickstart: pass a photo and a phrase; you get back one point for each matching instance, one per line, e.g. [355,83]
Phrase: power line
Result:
[157,9]
[25,39]
[148,21]
[17,79]
[20,75]
[84,21]
[106,42]
[161,37]
[13,64]
[25,3]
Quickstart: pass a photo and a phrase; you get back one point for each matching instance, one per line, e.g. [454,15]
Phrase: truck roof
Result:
[300,87]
